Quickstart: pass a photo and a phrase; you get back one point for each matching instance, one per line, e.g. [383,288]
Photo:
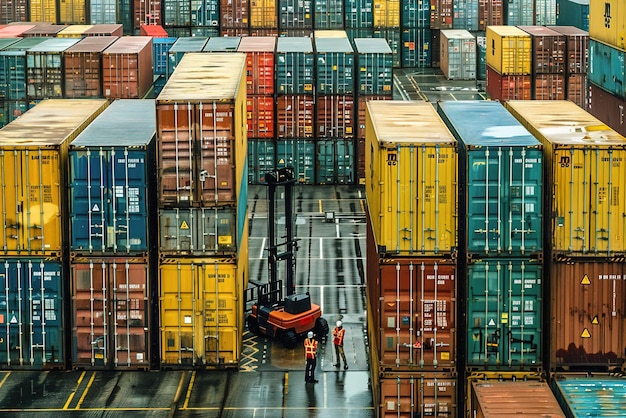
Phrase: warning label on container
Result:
[585,280]
[184,225]
[585,334]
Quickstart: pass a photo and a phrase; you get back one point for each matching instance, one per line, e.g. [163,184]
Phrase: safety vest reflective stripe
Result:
[310,345]
[339,333]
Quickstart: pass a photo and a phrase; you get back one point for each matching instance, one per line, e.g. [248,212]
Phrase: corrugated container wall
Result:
[44,65]
[416,48]
[585,166]
[260,114]
[43,11]
[334,161]
[415,14]
[83,67]
[393,38]
[335,66]
[358,14]
[202,134]
[597,395]
[607,107]
[509,50]
[74,31]
[31,317]
[607,22]
[573,13]
[441,14]
[295,116]
[577,52]
[263,14]
[259,63]
[548,50]
[465,15]
[146,12]
[261,159]
[160,49]
[386,13]
[328,14]
[36,145]
[13,11]
[102,12]
[411,188]
[127,68]
[490,13]
[606,68]
[295,63]
[111,170]
[295,16]
[299,154]
[335,116]
[180,47]
[500,179]
[374,64]
[508,87]
[458,54]
[545,12]
[71,12]
[233,15]
[520,12]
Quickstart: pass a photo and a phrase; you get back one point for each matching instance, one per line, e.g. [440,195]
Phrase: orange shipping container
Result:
[260,115]
[549,87]
[83,67]
[259,63]
[335,116]
[127,68]
[508,87]
[294,116]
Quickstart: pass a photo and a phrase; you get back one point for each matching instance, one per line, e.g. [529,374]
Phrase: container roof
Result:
[323,45]
[594,396]
[189,44]
[54,45]
[23,44]
[507,31]
[222,44]
[372,46]
[74,30]
[294,44]
[129,44]
[527,399]
[103,28]
[92,44]
[456,34]
[257,44]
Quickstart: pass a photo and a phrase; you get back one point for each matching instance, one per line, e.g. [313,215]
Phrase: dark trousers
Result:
[340,355]
[309,375]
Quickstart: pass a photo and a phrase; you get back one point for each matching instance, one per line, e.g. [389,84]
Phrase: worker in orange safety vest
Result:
[310,352]
[338,333]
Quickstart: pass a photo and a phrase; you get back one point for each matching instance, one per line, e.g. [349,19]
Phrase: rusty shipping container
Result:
[13,11]
[548,50]
[412,183]
[34,160]
[508,87]
[110,313]
[490,13]
[83,67]
[509,50]
[201,311]
[147,12]
[202,133]
[585,166]
[127,68]
[43,31]
[234,15]
[607,22]
[259,52]
[548,87]
[44,69]
[608,108]
[441,14]
[295,116]
[576,48]
[260,115]
[577,92]
[588,314]
[335,116]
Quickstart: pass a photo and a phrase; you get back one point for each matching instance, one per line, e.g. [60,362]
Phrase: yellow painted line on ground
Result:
[69,399]
[362,202]
[320,205]
[82,398]
[84,409]
[4,379]
[180,387]
[193,378]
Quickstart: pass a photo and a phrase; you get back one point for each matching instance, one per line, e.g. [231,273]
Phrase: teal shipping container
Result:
[481,56]
[358,33]
[299,154]
[295,14]
[374,66]
[203,31]
[261,159]
[545,12]
[160,54]
[573,13]
[465,15]
[112,176]
[500,179]
[328,14]
[335,161]
[31,313]
[295,62]
[416,48]
[358,14]
[6,42]
[176,13]
[504,314]
[415,14]
[222,44]
[44,68]
[102,12]
[584,395]
[393,38]
[606,68]
[335,66]
[180,47]
[520,13]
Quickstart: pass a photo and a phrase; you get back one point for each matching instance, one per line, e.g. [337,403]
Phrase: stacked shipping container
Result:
[44,69]
[127,68]
[548,63]
[508,63]
[576,54]
[416,34]
[458,54]
[180,47]
[573,13]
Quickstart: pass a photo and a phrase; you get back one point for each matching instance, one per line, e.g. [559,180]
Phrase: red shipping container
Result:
[234,32]
[83,67]
[259,63]
[147,12]
[155,31]
[441,14]
[127,68]
[234,15]
[608,108]
[335,116]
[577,90]
[110,313]
[576,47]
[508,87]
[294,116]
[490,13]
[105,29]
[549,87]
[260,111]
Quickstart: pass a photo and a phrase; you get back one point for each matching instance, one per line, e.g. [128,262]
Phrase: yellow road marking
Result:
[193,378]
[6,376]
[69,399]
[180,387]
[82,398]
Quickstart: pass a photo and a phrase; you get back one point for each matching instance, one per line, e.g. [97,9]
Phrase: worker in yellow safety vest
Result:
[310,352]
[338,333]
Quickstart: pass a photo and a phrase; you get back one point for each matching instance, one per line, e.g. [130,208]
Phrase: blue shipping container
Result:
[584,396]
[299,154]
[465,15]
[358,14]
[31,313]
[180,47]
[415,14]
[160,49]
[416,48]
[606,68]
[573,13]
[335,161]
[294,65]
[261,159]
[335,66]
[111,166]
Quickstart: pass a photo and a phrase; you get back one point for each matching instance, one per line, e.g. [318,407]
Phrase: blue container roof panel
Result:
[189,44]
[323,45]
[594,396]
[222,44]
[372,46]
[24,44]
[294,44]
[54,45]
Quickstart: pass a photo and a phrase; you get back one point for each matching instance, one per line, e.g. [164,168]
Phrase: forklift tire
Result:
[253,325]
[289,339]
[321,328]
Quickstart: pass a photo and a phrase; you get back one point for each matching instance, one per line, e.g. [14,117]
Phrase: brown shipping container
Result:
[259,63]
[233,15]
[201,131]
[576,48]
[577,92]
[362,100]
[548,50]
[147,12]
[335,116]
[105,29]
[127,68]
[13,11]
[608,108]
[110,313]
[83,67]
[43,31]
[294,116]
[441,13]
[508,87]
[588,311]
[549,87]
[490,13]
[234,32]
[260,115]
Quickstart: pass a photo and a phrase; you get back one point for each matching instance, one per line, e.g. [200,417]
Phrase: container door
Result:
[299,154]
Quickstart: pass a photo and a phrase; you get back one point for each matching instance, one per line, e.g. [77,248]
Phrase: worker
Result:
[338,334]
[310,351]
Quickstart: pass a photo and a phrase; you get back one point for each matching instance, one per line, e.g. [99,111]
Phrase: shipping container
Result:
[263,14]
[103,12]
[335,161]
[152,30]
[606,107]
[295,63]
[606,68]
[15,31]
[361,105]
[576,48]
[358,33]
[587,303]
[358,14]
[500,179]
[481,56]
[490,13]
[31,317]
[146,12]
[295,116]
[410,153]
[45,31]
[44,64]
[112,171]
[545,12]
[416,48]
[182,46]
[260,114]
[298,153]
[7,42]
[201,132]
[160,50]
[590,395]
[222,44]
[607,22]
[458,54]
[527,398]
[205,17]
[105,29]
[72,12]
[36,144]
[573,13]
[43,11]
[127,68]
[465,15]
[415,14]
[111,313]
[508,87]
[176,13]
[393,38]
[259,52]
[82,67]
[374,65]
[435,36]
[584,166]
[126,16]
[335,66]
[441,12]
[548,50]
[509,50]
[328,14]
[201,311]
[577,92]
[520,12]
[12,109]
[335,116]
[74,31]
[234,14]
[295,14]
[386,13]
[261,159]
[549,87]
[13,11]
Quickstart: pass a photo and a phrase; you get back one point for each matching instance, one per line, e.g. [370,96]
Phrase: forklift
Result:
[290,318]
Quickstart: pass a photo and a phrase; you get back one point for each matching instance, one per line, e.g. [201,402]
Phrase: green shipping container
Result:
[335,161]
[261,159]
[374,66]
[335,66]
[299,154]
[294,65]
[328,14]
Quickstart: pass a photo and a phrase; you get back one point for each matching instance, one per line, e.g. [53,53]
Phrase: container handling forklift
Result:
[292,317]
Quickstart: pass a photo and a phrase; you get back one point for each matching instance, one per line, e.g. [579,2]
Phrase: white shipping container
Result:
[458,54]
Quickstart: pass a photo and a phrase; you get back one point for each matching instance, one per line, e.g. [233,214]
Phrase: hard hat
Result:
[310,334]
[339,324]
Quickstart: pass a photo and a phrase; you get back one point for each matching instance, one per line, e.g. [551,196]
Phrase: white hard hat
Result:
[310,334]
[339,323]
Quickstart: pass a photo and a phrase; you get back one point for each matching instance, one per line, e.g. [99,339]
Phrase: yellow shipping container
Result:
[74,31]
[607,22]
[411,189]
[33,161]
[263,14]
[386,13]
[72,12]
[43,11]
[201,310]
[509,50]
[586,173]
